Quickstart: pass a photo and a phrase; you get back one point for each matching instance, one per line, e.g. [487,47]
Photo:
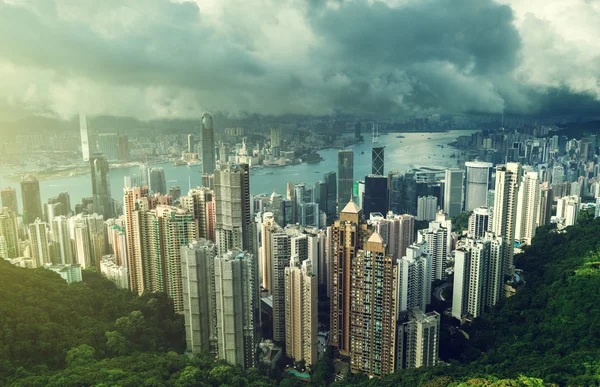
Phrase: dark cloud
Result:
[157,59]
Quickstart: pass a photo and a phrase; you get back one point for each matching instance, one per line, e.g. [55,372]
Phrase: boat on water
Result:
[193,163]
[179,163]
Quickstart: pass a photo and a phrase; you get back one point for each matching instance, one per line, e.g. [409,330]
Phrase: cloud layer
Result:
[174,59]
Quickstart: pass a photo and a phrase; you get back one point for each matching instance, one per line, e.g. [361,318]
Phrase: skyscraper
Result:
[376,195]
[280,252]
[545,207]
[331,207]
[232,201]
[528,202]
[477,184]
[108,144]
[345,175]
[83,130]
[508,178]
[347,235]
[9,199]
[199,302]
[414,279]
[453,191]
[207,133]
[123,148]
[32,201]
[135,204]
[83,253]
[101,186]
[200,202]
[403,193]
[237,308]
[190,143]
[397,232]
[377,160]
[426,207]
[60,229]
[373,315]
[157,180]
[38,239]
[436,238]
[418,340]
[301,309]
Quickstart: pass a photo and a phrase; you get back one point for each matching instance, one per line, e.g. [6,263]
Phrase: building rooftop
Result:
[351,208]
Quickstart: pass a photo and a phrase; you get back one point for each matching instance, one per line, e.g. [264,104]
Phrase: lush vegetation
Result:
[93,334]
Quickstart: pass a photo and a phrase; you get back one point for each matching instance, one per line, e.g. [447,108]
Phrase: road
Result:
[437,293]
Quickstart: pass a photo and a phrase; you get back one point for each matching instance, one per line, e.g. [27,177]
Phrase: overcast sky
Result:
[174,59]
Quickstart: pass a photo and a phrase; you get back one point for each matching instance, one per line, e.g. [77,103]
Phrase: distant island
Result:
[51,173]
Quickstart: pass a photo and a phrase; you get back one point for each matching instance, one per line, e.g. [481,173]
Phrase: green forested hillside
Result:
[93,334]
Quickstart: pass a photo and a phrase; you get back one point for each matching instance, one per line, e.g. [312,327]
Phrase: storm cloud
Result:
[175,59]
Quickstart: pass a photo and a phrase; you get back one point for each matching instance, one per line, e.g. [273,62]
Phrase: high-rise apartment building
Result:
[436,238]
[426,207]
[9,232]
[478,283]
[233,226]
[508,178]
[301,311]
[207,135]
[567,209]
[280,253]
[32,201]
[61,235]
[200,202]
[9,199]
[528,202]
[414,279]
[418,340]
[83,253]
[237,308]
[480,222]
[101,186]
[373,314]
[135,204]
[38,239]
[545,207]
[477,184]
[453,191]
[199,297]
[347,236]
[377,161]
[345,175]
[397,232]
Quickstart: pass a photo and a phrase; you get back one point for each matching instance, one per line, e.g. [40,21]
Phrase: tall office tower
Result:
[426,207]
[276,141]
[9,199]
[377,160]
[83,130]
[190,143]
[567,208]
[10,232]
[480,222]
[64,200]
[237,308]
[157,180]
[207,133]
[528,202]
[376,195]
[144,175]
[436,239]
[30,196]
[301,311]
[199,302]
[357,133]
[331,208]
[558,174]
[345,175]
[418,340]
[60,229]
[453,191]
[477,184]
[508,178]
[38,239]
[233,226]
[545,207]
[373,315]
[347,236]
[135,204]
[123,148]
[201,203]
[101,186]
[83,254]
[414,279]
[307,210]
[478,281]
[403,193]
[108,144]
[175,192]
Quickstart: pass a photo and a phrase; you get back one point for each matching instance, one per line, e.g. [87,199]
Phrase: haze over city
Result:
[289,193]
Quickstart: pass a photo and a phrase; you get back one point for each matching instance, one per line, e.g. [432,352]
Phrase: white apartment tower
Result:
[528,203]
[414,279]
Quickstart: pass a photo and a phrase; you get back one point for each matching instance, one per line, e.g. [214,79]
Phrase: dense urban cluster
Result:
[350,262]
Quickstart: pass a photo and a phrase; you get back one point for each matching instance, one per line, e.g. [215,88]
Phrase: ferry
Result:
[193,163]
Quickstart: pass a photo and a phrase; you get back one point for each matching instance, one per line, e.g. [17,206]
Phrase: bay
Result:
[415,149]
